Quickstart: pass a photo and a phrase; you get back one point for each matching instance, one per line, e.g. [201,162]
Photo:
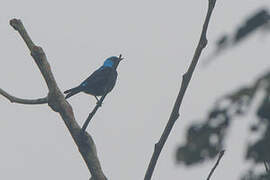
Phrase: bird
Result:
[100,82]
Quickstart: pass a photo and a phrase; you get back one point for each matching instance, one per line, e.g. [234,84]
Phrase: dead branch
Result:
[215,166]
[14,99]
[185,82]
[58,104]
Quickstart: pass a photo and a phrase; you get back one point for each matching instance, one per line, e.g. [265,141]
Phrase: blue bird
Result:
[100,81]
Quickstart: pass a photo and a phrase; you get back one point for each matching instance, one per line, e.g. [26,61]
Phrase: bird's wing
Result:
[99,77]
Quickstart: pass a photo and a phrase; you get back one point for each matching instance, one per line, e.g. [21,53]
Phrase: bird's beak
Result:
[120,57]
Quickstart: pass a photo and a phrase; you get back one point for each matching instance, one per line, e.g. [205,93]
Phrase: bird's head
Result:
[112,61]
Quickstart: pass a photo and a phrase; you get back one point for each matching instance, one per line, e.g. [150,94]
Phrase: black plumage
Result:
[100,81]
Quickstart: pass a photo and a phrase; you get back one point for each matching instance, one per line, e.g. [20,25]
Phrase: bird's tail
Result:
[72,91]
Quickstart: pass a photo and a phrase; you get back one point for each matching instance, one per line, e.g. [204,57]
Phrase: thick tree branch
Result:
[14,99]
[215,166]
[58,103]
[185,81]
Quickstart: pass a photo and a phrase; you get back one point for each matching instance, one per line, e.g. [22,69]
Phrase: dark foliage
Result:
[204,140]
[258,20]
[252,23]
[252,176]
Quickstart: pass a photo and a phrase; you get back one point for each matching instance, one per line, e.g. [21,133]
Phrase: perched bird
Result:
[99,82]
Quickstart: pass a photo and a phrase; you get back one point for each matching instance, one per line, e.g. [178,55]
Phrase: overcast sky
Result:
[158,39]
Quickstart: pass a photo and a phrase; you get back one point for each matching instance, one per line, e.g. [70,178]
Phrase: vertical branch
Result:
[185,81]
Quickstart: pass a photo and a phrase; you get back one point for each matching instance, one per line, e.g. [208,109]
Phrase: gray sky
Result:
[158,39]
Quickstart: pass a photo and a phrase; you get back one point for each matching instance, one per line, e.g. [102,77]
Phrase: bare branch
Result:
[58,103]
[186,79]
[215,166]
[267,166]
[91,115]
[14,99]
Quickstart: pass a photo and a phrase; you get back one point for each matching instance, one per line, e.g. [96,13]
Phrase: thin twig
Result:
[90,116]
[98,105]
[14,99]
[215,166]
[267,166]
[185,81]
[57,102]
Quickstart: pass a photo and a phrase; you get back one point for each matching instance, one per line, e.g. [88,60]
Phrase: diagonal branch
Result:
[91,115]
[215,166]
[186,79]
[14,99]
[267,166]
[58,103]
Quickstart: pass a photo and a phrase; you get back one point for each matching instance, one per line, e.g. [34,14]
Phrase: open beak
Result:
[120,57]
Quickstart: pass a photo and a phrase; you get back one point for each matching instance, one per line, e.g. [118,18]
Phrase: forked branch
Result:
[58,103]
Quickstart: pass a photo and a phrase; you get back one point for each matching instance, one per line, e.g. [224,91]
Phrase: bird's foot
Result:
[96,98]
[99,103]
